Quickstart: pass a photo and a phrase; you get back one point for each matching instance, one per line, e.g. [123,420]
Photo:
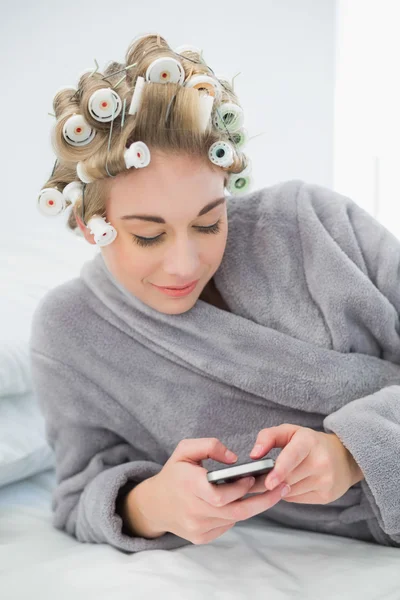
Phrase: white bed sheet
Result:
[255,559]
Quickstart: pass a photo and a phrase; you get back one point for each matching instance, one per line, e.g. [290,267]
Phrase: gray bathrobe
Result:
[313,283]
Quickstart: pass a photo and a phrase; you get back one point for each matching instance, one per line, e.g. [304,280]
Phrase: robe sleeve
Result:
[93,464]
[369,427]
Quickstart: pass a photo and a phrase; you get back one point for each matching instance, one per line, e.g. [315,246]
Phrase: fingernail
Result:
[257,449]
[272,483]
[285,490]
[230,455]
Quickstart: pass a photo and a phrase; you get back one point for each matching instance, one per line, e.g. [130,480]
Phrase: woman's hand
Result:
[317,466]
[180,499]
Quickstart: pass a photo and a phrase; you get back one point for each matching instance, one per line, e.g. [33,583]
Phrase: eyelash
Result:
[144,242]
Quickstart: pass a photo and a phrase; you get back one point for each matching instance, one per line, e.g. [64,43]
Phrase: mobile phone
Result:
[230,474]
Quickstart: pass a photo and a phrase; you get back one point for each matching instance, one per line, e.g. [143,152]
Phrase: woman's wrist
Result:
[132,511]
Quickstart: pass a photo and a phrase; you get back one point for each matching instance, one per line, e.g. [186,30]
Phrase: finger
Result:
[198,449]
[212,534]
[306,486]
[259,485]
[310,498]
[224,493]
[299,473]
[273,437]
[291,457]
[245,509]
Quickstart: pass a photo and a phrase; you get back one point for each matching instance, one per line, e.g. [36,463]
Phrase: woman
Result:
[286,334]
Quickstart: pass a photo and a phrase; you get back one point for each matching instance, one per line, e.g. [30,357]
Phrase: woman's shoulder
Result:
[294,202]
[58,315]
[265,212]
[281,196]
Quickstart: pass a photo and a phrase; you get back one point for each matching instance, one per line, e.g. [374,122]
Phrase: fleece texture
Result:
[313,338]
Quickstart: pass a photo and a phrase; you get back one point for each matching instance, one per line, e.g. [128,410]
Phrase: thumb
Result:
[198,449]
[273,437]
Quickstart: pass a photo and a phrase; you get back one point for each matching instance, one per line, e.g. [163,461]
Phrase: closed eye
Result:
[144,241]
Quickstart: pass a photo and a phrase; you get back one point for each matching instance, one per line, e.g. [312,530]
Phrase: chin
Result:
[175,307]
[178,310]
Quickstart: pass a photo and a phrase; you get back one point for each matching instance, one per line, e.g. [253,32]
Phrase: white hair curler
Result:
[206,83]
[104,105]
[73,191]
[104,233]
[165,70]
[240,137]
[229,116]
[205,108]
[51,202]
[137,155]
[77,132]
[81,172]
[221,153]
[137,96]
[239,183]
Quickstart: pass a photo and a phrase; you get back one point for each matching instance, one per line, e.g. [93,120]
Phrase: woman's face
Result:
[175,189]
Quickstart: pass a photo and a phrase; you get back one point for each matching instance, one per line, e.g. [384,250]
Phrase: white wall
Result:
[367,99]
[284,50]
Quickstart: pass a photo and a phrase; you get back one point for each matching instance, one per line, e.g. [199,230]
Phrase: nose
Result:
[182,259]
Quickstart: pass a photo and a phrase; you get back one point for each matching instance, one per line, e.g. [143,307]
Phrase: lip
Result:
[176,287]
[178,292]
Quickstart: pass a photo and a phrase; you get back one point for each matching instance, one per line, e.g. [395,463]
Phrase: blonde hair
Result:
[181,133]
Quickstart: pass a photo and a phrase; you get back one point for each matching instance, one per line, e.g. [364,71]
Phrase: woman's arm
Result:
[369,427]
[129,507]
[92,463]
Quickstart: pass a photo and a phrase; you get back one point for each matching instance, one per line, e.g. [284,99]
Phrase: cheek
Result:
[119,255]
[212,246]
[129,259]
[221,238]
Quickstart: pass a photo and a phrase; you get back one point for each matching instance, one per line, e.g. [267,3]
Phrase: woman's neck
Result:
[211,295]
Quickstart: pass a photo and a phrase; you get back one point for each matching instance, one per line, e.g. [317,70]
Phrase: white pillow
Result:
[14,367]
[31,262]
[30,265]
[24,450]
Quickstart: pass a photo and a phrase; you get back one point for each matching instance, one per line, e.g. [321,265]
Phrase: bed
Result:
[255,559]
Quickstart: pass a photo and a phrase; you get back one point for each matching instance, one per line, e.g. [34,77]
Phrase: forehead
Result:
[170,186]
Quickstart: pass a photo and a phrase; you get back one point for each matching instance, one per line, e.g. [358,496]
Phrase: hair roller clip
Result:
[165,70]
[239,183]
[104,233]
[205,104]
[77,132]
[221,153]
[229,116]
[206,83]
[51,202]
[73,191]
[137,155]
[137,96]
[104,105]
[81,172]
[240,137]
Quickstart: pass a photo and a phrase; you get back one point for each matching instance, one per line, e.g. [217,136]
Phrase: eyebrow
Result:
[156,219]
